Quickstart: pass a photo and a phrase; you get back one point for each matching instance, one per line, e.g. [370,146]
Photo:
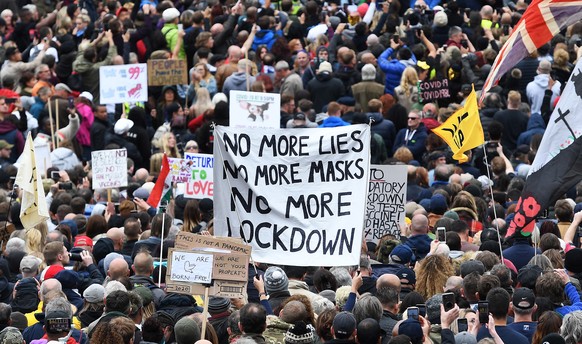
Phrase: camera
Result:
[449,301]
[66,186]
[465,43]
[75,257]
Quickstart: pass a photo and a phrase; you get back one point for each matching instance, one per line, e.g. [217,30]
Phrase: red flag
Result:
[163,184]
[542,20]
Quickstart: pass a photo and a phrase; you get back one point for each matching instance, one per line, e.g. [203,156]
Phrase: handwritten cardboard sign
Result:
[190,267]
[109,168]
[228,272]
[167,72]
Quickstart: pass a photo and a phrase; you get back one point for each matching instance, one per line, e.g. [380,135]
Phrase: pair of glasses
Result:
[191,147]
[413,118]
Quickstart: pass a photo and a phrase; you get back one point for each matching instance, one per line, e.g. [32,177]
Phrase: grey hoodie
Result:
[237,82]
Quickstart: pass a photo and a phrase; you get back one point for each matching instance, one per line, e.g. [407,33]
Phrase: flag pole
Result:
[51,123]
[163,210]
[494,210]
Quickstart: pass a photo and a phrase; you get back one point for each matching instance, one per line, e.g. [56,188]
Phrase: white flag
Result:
[33,208]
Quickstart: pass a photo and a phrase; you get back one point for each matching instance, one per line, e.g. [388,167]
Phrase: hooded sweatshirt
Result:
[393,69]
[535,125]
[384,128]
[237,82]
[535,92]
[265,37]
[324,89]
[12,135]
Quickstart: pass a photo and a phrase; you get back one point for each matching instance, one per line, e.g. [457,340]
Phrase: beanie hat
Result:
[300,333]
[94,293]
[368,72]
[275,280]
[464,337]
[438,204]
[186,331]
[147,296]
[218,305]
[573,260]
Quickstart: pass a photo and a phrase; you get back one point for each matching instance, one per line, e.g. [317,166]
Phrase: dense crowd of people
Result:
[91,273]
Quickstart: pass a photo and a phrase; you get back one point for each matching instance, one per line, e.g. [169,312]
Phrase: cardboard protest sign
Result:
[386,198]
[296,198]
[434,89]
[109,168]
[167,72]
[123,83]
[229,268]
[254,109]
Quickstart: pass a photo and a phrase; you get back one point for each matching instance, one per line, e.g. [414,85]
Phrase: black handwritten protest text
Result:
[267,235]
[336,171]
[341,143]
[283,145]
[384,208]
[261,202]
[314,206]
[235,171]
[239,144]
[279,174]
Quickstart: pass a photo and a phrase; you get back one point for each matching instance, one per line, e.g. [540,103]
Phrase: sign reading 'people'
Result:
[297,197]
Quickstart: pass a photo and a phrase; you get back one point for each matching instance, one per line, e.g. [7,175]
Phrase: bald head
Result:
[70,216]
[388,280]
[419,224]
[117,60]
[141,175]
[216,29]
[116,235]
[143,264]
[453,282]
[234,53]
[368,58]
[118,268]
[293,312]
[48,286]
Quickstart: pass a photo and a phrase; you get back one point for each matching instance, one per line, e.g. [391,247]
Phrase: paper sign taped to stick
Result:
[227,289]
[190,267]
[386,198]
[123,83]
[297,197]
[167,72]
[109,168]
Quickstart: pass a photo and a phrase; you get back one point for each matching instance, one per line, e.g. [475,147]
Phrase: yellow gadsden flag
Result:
[463,131]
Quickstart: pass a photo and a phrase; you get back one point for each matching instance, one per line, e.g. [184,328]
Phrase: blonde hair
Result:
[171,152]
[203,101]
[408,80]
[156,163]
[432,275]
[34,238]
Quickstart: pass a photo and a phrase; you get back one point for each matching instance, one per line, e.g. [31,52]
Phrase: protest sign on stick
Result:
[123,83]
[167,72]
[386,198]
[254,109]
[294,197]
[109,168]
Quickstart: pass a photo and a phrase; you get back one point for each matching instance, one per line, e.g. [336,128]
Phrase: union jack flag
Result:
[542,20]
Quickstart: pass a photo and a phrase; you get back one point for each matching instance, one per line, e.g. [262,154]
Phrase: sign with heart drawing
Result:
[191,267]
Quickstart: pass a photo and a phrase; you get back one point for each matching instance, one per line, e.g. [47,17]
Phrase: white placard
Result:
[201,185]
[299,194]
[191,267]
[386,198]
[42,155]
[255,109]
[109,168]
[123,83]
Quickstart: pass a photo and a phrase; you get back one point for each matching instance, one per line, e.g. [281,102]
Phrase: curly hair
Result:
[432,275]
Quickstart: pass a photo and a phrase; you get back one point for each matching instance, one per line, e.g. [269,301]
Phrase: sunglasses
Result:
[413,118]
[191,147]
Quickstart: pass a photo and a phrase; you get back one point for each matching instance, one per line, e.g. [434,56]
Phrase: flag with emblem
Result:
[33,207]
[162,191]
[557,166]
[463,131]
[542,20]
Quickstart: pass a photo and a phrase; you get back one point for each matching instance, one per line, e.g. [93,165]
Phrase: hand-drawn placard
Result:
[109,168]
[190,267]
[167,72]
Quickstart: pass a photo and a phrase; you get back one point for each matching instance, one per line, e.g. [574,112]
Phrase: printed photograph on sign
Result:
[386,199]
[123,83]
[191,267]
[254,109]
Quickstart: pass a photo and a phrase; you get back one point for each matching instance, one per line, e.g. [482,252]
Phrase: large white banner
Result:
[386,198]
[123,83]
[297,196]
